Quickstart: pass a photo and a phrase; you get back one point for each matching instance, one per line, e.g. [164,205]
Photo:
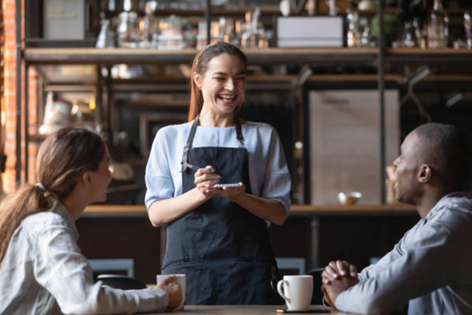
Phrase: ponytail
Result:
[26,201]
[62,159]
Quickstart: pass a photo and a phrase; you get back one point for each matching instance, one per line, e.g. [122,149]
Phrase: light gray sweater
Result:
[430,268]
[44,273]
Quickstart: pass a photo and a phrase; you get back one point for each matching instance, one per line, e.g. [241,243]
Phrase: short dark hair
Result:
[447,150]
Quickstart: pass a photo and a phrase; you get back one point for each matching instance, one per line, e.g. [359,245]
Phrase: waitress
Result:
[218,237]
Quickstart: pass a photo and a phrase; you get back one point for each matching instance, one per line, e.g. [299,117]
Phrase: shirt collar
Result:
[63,212]
[443,201]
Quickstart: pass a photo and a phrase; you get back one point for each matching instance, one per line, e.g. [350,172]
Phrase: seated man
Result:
[431,267]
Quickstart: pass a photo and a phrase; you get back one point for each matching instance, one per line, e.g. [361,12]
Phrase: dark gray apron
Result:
[222,248]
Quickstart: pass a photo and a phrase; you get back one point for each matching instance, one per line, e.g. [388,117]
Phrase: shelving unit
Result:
[377,57]
[374,57]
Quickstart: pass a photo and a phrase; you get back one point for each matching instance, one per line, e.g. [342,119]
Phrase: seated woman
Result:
[41,268]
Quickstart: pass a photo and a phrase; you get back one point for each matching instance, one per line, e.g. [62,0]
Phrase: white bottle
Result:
[438,26]
[285,7]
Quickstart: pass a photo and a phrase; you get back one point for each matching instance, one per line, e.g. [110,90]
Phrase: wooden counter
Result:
[296,210]
[242,309]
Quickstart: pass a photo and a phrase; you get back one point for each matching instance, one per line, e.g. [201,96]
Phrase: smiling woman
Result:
[221,68]
[217,230]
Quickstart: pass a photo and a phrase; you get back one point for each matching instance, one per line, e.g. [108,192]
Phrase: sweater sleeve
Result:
[158,175]
[62,270]
[413,273]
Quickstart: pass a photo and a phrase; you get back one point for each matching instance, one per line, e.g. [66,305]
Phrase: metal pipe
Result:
[18,90]
[26,121]
[381,87]
[208,20]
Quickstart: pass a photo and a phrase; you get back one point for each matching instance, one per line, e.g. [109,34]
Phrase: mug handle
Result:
[280,290]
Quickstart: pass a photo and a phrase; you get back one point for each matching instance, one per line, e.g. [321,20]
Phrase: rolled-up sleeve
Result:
[158,176]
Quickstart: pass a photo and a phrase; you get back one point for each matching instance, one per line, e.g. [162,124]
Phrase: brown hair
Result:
[200,66]
[62,159]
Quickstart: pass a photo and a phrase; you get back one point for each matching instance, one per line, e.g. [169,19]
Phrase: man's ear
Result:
[86,178]
[424,173]
[197,79]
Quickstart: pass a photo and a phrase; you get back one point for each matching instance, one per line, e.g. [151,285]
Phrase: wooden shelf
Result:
[423,56]
[255,56]
[296,210]
[395,209]
[146,56]
[215,11]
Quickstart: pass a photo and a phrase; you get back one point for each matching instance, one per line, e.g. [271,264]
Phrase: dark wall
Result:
[355,239]
[123,237]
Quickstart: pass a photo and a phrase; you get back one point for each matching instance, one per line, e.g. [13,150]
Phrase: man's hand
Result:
[173,290]
[337,277]
[337,286]
[337,269]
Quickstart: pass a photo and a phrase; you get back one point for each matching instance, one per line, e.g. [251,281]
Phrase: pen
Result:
[192,166]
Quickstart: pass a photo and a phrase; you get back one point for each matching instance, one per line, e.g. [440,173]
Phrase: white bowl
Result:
[349,199]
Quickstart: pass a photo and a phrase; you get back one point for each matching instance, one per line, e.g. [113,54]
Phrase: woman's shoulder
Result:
[260,127]
[170,134]
[44,217]
[173,130]
[36,223]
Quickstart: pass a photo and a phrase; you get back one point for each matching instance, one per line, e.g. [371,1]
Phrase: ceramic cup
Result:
[181,280]
[296,291]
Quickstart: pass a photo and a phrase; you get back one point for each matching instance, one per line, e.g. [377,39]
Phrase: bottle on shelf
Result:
[409,39]
[468,28]
[148,25]
[438,26]
[127,30]
[353,34]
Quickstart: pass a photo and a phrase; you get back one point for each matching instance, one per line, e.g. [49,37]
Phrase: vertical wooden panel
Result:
[344,143]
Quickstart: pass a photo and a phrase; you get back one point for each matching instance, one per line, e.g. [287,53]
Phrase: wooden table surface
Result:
[244,309]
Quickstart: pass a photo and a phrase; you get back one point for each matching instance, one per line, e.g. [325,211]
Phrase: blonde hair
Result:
[62,159]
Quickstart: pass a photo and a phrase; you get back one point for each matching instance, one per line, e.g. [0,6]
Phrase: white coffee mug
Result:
[181,280]
[296,291]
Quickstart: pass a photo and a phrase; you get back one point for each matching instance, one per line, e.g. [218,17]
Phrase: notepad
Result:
[232,185]
[306,311]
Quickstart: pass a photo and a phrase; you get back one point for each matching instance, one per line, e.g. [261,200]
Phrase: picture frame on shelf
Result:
[149,125]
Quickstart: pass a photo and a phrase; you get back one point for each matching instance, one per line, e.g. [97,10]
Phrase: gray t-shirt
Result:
[431,267]
[44,273]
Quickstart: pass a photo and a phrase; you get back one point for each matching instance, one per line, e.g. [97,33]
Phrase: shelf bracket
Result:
[412,81]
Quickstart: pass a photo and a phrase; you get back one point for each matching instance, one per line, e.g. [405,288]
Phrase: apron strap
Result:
[239,134]
[193,129]
[188,145]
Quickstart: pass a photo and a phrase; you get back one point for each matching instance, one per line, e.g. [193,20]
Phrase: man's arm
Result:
[413,274]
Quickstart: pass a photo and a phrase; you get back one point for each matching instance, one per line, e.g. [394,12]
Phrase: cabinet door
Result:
[62,23]
[344,136]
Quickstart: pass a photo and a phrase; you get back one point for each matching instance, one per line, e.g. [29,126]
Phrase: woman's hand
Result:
[173,290]
[229,192]
[205,179]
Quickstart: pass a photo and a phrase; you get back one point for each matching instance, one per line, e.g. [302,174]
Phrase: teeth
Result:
[227,97]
